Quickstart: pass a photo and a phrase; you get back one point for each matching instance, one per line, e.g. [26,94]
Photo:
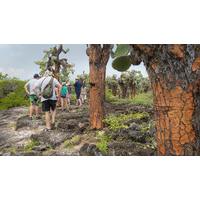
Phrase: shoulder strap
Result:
[43,81]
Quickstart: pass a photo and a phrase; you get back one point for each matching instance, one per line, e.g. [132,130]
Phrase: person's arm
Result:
[58,87]
[26,88]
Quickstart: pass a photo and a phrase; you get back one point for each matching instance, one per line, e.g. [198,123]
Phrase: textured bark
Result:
[124,89]
[174,72]
[132,90]
[98,58]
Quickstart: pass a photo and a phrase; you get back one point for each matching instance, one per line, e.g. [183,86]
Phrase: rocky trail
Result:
[128,131]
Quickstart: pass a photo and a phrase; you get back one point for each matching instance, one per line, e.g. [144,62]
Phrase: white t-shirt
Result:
[42,82]
[31,84]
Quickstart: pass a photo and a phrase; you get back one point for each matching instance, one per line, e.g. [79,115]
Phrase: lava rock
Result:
[89,150]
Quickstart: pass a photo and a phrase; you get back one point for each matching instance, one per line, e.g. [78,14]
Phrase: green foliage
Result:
[3,76]
[144,99]
[121,63]
[110,97]
[116,122]
[73,141]
[31,144]
[122,50]
[50,58]
[42,64]
[122,59]
[102,141]
[66,72]
[12,94]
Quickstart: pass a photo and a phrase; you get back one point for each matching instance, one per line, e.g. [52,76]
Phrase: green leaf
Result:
[122,50]
[121,63]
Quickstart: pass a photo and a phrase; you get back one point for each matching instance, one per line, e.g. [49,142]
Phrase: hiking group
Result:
[51,93]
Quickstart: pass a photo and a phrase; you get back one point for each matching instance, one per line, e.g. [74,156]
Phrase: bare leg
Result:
[31,111]
[68,100]
[37,111]
[66,104]
[62,103]
[79,102]
[48,120]
[53,116]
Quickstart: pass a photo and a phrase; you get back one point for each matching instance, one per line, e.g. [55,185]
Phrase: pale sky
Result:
[18,59]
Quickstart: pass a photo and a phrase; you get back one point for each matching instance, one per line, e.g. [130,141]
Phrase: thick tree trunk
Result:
[174,74]
[98,58]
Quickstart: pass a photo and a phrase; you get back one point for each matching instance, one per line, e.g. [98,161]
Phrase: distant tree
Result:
[3,76]
[66,72]
[145,85]
[52,61]
[112,84]
[123,82]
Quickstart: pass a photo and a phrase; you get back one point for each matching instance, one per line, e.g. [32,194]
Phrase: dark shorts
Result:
[34,99]
[78,95]
[63,97]
[48,105]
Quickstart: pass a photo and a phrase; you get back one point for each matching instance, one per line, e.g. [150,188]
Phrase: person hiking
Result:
[63,95]
[78,86]
[83,92]
[47,85]
[69,88]
[33,96]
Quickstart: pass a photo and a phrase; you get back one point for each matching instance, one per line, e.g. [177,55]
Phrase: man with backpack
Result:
[48,85]
[33,96]
[63,95]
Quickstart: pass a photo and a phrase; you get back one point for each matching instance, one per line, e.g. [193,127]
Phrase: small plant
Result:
[102,141]
[115,123]
[12,150]
[73,141]
[31,144]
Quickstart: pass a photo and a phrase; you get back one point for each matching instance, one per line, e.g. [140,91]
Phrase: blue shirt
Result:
[78,86]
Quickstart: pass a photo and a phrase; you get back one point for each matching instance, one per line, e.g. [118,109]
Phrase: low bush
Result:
[145,99]
[12,94]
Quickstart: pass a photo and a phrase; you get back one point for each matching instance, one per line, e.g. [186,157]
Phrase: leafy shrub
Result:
[116,122]
[102,141]
[12,94]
